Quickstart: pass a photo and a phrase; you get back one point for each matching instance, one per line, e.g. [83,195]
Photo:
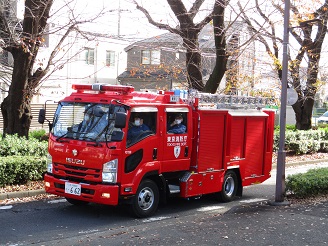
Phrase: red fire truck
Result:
[99,153]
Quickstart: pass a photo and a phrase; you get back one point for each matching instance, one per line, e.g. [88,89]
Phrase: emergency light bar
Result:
[102,88]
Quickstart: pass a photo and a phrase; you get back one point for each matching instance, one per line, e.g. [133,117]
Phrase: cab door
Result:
[142,145]
[176,144]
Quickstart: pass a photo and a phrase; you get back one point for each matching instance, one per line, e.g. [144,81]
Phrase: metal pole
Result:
[280,181]
[118,36]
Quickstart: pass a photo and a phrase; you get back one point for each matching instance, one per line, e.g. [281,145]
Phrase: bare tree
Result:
[222,54]
[309,51]
[24,47]
[189,31]
[23,44]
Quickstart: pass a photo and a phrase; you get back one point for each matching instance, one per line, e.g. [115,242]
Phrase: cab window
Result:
[176,122]
[142,124]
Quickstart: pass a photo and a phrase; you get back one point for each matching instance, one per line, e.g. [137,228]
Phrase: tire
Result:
[146,200]
[76,202]
[229,187]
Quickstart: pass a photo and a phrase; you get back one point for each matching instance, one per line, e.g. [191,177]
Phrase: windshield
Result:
[85,121]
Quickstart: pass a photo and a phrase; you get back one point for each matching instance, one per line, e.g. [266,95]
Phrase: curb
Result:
[22,194]
[301,163]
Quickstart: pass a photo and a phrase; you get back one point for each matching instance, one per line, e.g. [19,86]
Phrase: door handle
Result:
[155,154]
[186,151]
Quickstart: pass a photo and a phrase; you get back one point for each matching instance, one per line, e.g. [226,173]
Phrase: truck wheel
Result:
[76,202]
[146,199]
[229,187]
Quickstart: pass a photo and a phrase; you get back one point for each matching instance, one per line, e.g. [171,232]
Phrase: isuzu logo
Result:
[75,161]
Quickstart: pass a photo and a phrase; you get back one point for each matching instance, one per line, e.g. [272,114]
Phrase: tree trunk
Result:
[16,108]
[304,106]
[303,114]
[221,60]
[193,60]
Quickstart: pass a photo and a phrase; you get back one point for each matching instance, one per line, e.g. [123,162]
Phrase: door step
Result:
[174,189]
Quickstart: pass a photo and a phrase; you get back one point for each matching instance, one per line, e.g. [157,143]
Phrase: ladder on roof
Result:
[232,101]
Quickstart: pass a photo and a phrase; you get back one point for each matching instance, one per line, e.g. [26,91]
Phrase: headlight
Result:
[49,163]
[109,173]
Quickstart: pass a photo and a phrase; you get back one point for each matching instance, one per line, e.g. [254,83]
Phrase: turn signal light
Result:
[105,195]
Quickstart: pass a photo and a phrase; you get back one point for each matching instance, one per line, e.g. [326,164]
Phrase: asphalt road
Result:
[180,222]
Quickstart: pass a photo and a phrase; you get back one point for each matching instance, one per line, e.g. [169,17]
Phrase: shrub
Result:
[40,135]
[324,146]
[291,127]
[312,183]
[14,145]
[22,160]
[20,169]
[302,142]
[288,127]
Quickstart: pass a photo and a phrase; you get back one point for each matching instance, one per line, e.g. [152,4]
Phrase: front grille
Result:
[77,173]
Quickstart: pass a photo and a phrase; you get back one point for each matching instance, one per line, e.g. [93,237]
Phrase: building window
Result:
[6,58]
[152,57]
[89,56]
[110,58]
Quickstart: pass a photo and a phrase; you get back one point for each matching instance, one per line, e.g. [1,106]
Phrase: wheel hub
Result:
[229,186]
[145,198]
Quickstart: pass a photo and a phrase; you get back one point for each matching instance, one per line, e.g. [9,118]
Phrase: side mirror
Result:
[117,136]
[120,120]
[42,116]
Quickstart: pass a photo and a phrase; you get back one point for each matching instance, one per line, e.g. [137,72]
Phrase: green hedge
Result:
[22,160]
[302,142]
[13,145]
[20,169]
[312,183]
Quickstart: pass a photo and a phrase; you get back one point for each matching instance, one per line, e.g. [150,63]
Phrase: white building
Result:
[98,61]
[92,57]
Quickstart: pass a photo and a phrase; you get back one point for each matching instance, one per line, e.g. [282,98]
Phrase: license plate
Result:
[74,189]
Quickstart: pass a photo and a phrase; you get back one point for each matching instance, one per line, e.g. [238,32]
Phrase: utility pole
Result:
[281,159]
[118,36]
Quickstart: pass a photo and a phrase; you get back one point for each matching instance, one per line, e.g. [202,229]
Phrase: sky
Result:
[123,19]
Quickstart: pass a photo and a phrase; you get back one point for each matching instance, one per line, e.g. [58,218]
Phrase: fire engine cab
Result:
[112,145]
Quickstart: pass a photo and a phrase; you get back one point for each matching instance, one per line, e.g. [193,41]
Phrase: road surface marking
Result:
[88,231]
[253,200]
[155,219]
[6,207]
[209,208]
[57,201]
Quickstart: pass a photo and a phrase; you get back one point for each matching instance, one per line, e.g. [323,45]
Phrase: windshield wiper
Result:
[57,139]
[94,142]
[69,130]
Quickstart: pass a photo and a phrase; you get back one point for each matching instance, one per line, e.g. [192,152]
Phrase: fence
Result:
[50,110]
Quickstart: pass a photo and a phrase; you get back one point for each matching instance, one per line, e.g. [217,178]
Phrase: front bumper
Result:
[99,193]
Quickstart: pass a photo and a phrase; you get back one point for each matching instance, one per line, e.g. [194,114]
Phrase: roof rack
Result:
[231,101]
